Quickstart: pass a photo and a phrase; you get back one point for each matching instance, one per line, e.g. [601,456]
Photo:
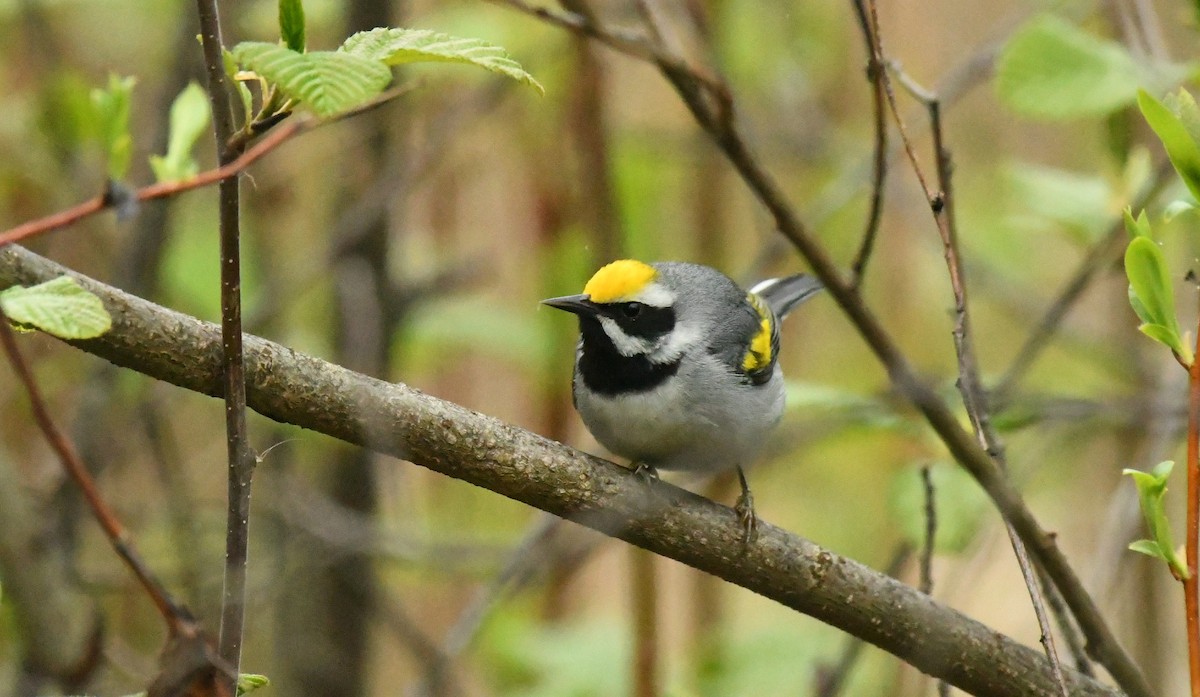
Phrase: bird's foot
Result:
[745,511]
[647,473]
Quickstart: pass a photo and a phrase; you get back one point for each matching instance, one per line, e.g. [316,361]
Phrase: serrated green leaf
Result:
[1176,138]
[60,307]
[397,46]
[1052,69]
[111,106]
[249,682]
[328,82]
[1148,547]
[1152,490]
[190,115]
[1146,268]
[291,24]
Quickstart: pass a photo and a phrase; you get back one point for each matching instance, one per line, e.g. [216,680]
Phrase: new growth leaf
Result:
[189,119]
[1152,489]
[400,46]
[1150,292]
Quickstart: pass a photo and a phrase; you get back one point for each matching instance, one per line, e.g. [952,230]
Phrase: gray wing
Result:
[782,295]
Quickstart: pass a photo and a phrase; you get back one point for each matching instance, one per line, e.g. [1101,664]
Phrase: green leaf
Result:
[1152,490]
[1080,203]
[291,24]
[1052,69]
[1163,335]
[1179,207]
[60,307]
[1175,135]
[249,682]
[190,114]
[1148,547]
[398,46]
[1137,227]
[1149,282]
[328,82]
[112,107]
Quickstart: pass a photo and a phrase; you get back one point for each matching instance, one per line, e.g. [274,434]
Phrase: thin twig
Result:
[227,170]
[1191,585]
[875,73]
[925,580]
[941,203]
[925,583]
[175,616]
[713,112]
[240,456]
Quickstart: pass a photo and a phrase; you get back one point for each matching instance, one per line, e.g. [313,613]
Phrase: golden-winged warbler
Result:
[677,367]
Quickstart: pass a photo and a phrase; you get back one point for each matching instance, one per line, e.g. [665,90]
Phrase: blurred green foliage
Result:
[484,176]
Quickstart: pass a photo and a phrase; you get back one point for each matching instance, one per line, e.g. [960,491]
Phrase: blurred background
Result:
[413,243]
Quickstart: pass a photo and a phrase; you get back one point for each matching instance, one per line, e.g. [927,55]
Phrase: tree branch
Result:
[291,387]
[712,108]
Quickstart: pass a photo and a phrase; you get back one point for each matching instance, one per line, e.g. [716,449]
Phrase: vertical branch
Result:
[941,204]
[1191,585]
[875,73]
[926,576]
[241,460]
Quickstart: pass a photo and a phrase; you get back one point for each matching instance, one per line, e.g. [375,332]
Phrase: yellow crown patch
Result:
[620,279]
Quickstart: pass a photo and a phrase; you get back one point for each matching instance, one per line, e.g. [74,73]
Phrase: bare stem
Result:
[1191,585]
[175,616]
[240,457]
[941,203]
[875,73]
[712,107]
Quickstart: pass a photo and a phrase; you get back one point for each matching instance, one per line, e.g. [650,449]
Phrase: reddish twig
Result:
[270,142]
[101,203]
[177,619]
[1191,585]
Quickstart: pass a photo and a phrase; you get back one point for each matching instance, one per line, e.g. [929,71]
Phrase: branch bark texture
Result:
[294,388]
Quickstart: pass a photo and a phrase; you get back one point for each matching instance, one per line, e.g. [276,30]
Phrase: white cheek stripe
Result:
[626,345]
[664,350]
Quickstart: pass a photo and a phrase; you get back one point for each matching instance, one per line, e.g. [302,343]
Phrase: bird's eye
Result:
[631,310]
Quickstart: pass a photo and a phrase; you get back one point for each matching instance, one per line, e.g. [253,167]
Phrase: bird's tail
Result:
[784,294]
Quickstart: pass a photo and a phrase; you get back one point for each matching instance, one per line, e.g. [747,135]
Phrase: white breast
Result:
[715,422]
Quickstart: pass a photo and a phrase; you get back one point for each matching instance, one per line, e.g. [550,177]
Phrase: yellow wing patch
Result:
[620,279]
[760,351]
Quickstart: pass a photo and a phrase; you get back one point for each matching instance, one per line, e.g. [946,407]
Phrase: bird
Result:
[677,367]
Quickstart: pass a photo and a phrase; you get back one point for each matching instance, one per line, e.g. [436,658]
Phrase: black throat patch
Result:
[604,370]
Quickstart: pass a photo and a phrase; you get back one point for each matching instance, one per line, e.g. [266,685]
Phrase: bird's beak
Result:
[575,304]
